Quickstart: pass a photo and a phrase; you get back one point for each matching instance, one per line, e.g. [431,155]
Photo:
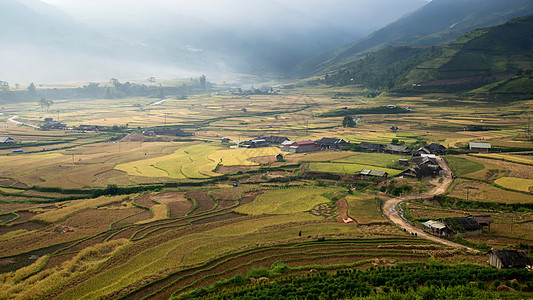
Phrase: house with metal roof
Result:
[367,174]
[461,226]
[5,140]
[479,147]
[331,143]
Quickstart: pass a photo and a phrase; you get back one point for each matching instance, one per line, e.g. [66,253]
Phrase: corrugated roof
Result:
[434,224]
[479,145]
[372,173]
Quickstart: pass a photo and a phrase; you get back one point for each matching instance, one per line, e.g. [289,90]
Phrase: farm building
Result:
[394,128]
[285,145]
[436,148]
[256,143]
[421,171]
[420,160]
[224,140]
[435,227]
[275,140]
[331,143]
[479,147]
[368,174]
[371,147]
[280,157]
[395,149]
[420,151]
[303,146]
[168,131]
[503,259]
[483,220]
[4,140]
[461,226]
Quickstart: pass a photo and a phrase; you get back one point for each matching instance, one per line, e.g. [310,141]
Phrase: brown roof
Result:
[483,219]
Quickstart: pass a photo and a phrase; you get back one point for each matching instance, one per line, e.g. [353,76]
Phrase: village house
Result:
[435,227]
[5,140]
[274,140]
[331,143]
[420,151]
[399,150]
[483,220]
[479,147]
[280,157]
[285,145]
[303,146]
[436,148]
[461,226]
[370,174]
[167,131]
[256,143]
[371,147]
[503,259]
[224,140]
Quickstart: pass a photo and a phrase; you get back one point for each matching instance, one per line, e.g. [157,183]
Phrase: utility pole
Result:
[165,119]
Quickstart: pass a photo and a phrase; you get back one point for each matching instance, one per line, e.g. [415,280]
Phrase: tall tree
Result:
[4,86]
[42,102]
[31,89]
[203,82]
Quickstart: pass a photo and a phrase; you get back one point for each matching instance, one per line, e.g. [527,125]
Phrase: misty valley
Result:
[266,149]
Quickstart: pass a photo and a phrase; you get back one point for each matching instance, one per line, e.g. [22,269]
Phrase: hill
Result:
[479,57]
[437,23]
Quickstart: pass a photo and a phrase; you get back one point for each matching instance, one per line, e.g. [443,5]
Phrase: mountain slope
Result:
[439,22]
[478,57]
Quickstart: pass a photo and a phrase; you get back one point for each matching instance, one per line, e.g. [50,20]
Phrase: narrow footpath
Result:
[393,213]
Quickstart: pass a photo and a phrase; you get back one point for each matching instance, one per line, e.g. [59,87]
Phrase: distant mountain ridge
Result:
[439,22]
[480,57]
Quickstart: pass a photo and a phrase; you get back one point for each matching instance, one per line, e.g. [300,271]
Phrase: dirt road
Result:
[13,121]
[393,213]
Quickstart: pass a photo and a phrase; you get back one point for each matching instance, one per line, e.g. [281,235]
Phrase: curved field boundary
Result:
[188,278]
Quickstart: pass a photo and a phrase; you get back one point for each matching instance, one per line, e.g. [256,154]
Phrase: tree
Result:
[31,89]
[48,103]
[348,122]
[203,82]
[151,79]
[4,86]
[42,102]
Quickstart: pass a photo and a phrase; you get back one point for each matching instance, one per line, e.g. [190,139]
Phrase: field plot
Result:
[347,168]
[521,159]
[479,191]
[372,159]
[462,165]
[362,209]
[424,212]
[241,157]
[188,162]
[286,201]
[518,184]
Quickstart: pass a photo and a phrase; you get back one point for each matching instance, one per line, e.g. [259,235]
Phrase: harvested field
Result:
[145,200]
[233,169]
[177,204]
[479,191]
[24,216]
[136,215]
[203,200]
[26,226]
[516,170]
[418,211]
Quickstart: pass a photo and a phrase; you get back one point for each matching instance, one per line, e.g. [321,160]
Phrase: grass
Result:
[517,184]
[363,210]
[462,166]
[348,168]
[286,201]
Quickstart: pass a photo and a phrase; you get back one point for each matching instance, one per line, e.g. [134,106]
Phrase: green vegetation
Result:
[363,111]
[462,166]
[405,281]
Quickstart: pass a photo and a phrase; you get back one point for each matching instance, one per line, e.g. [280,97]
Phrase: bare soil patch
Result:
[178,205]
[6,182]
[264,159]
[145,200]
[205,202]
[24,216]
[29,226]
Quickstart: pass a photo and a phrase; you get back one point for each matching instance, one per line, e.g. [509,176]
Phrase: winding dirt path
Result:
[393,213]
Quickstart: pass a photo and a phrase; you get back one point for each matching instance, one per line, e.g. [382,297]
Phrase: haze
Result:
[61,40]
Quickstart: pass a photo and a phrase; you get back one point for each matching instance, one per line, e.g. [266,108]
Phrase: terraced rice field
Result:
[517,184]
[348,168]
[363,210]
[479,191]
[286,201]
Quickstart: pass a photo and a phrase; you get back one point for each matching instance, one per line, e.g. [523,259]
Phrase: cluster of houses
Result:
[292,146]
[49,124]
[5,140]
